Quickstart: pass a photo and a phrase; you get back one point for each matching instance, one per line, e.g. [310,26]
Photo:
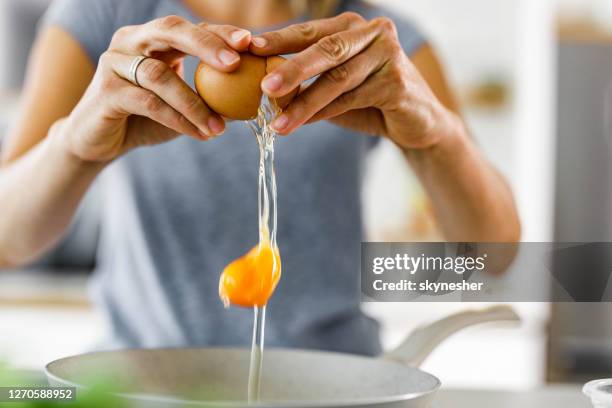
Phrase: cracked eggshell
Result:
[237,95]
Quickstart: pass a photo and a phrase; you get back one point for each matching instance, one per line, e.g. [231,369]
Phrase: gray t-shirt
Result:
[174,215]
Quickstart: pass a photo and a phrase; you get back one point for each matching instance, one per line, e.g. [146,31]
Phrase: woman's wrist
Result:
[451,143]
[59,141]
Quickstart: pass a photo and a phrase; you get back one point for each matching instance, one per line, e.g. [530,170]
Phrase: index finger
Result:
[176,33]
[328,53]
[298,37]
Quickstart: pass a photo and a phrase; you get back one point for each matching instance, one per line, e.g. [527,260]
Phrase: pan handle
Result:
[422,341]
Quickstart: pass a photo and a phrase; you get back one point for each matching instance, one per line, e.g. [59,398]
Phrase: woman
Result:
[175,214]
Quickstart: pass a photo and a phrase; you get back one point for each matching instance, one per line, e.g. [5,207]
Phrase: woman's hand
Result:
[366,81]
[116,115]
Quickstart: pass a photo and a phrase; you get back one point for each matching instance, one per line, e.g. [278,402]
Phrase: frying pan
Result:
[291,378]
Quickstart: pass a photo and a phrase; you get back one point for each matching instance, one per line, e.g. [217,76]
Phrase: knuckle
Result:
[338,75]
[274,37]
[169,22]
[104,60]
[155,71]
[305,31]
[182,122]
[293,65]
[344,99]
[333,47]
[151,102]
[193,105]
[385,24]
[204,38]
[352,17]
[121,34]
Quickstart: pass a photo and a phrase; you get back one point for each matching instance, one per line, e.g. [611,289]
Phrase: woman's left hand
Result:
[367,82]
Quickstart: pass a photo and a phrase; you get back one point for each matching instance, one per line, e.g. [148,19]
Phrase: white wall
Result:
[535,106]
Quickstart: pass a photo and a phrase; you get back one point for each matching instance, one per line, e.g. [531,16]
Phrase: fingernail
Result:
[280,122]
[215,125]
[228,57]
[259,42]
[272,83]
[240,35]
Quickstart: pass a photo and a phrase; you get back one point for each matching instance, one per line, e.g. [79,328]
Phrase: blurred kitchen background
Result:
[533,77]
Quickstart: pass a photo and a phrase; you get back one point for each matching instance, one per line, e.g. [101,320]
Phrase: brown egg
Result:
[237,95]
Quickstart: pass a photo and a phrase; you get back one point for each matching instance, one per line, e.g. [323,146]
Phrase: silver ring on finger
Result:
[134,69]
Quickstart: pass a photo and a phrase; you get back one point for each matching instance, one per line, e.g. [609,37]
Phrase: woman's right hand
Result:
[115,115]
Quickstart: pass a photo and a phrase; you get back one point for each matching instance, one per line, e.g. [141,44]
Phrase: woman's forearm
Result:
[472,201]
[40,193]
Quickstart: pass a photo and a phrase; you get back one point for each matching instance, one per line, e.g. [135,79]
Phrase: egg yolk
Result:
[250,280]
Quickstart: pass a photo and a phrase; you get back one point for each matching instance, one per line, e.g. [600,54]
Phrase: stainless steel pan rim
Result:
[345,402]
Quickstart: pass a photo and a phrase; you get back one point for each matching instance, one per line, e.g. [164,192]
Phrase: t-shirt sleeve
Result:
[91,22]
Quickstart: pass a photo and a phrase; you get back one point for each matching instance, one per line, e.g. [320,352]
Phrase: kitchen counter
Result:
[41,288]
[558,396]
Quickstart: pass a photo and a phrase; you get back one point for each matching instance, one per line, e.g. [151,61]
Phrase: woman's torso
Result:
[174,215]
